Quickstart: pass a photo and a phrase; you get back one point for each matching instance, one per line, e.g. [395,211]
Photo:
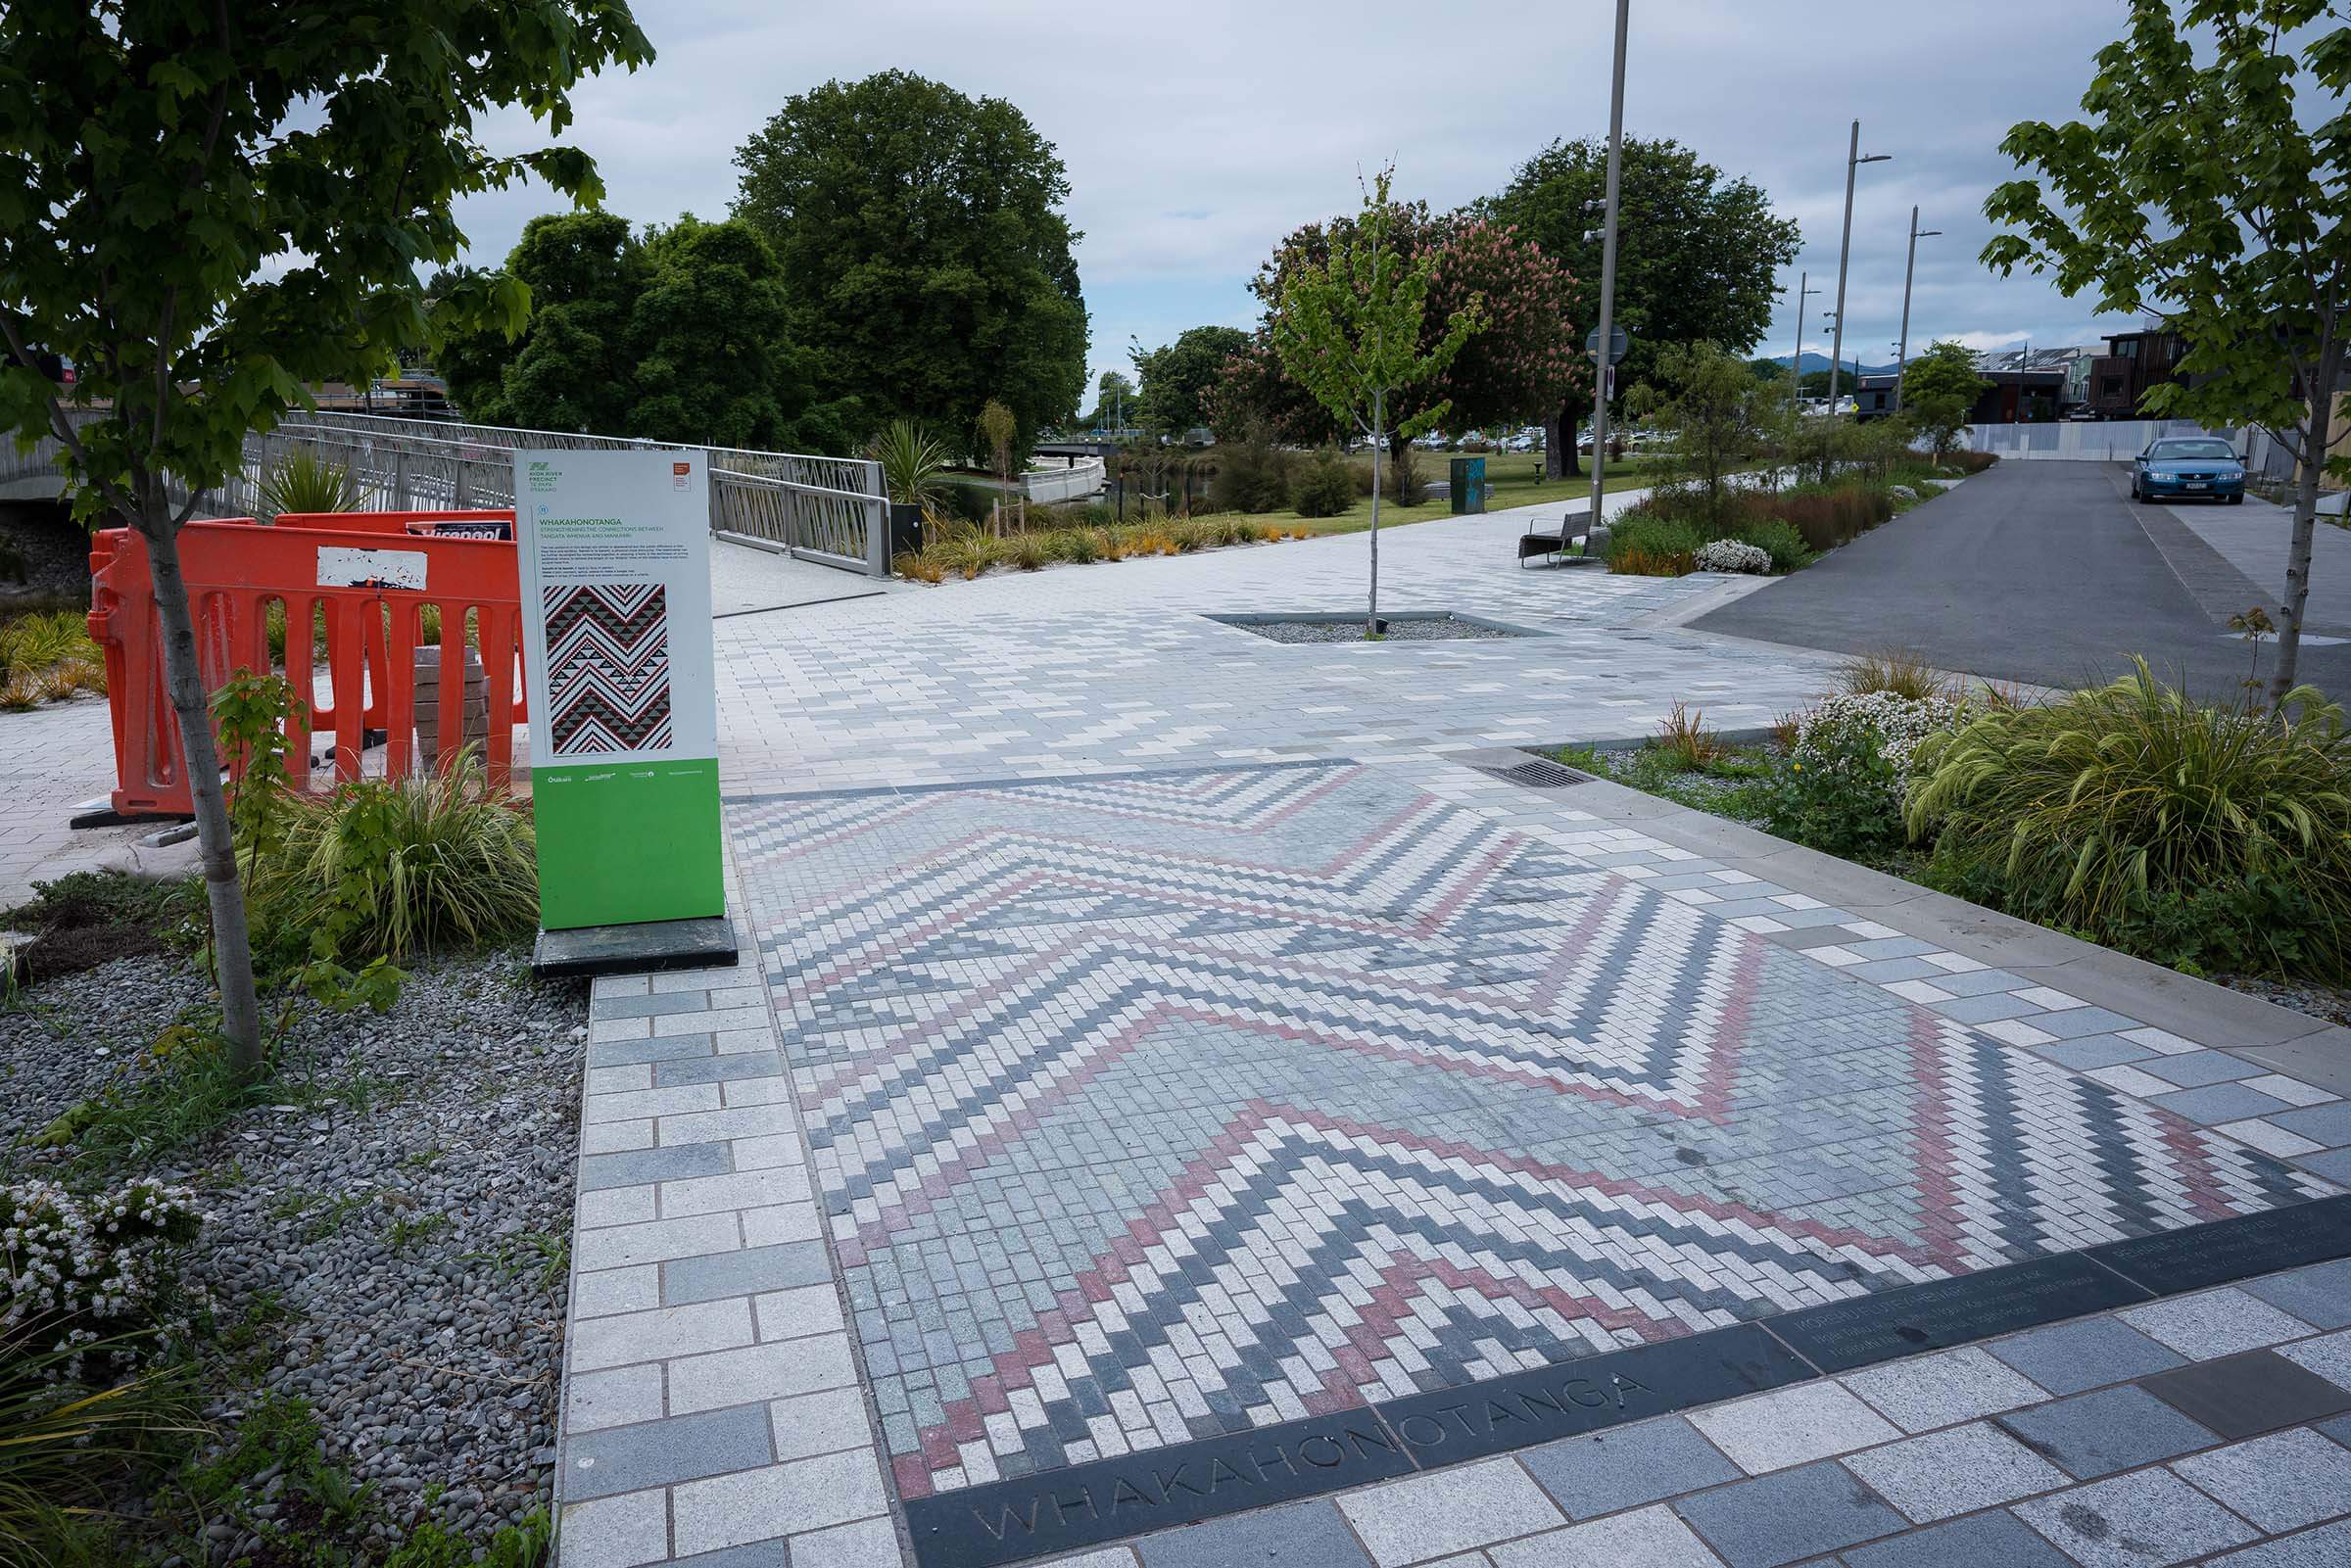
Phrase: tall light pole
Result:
[1795,364]
[1901,348]
[1853,160]
[1602,360]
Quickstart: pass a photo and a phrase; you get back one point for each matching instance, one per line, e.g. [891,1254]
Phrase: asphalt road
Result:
[2030,571]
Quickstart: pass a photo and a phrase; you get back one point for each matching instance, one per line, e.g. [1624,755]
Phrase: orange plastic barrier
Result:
[372,574]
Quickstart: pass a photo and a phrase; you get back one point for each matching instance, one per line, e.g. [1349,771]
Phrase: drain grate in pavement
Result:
[1541,773]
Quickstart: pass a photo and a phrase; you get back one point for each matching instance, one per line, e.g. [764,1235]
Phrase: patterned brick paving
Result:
[1147,1109]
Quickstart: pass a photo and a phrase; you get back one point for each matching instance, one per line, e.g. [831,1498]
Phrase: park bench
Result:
[1555,546]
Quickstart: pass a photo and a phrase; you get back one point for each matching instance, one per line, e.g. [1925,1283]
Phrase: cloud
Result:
[1195,142]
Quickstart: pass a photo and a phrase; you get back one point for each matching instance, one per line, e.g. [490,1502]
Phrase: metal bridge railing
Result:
[826,509]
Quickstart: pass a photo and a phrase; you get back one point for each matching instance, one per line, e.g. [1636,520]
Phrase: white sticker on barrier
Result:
[342,567]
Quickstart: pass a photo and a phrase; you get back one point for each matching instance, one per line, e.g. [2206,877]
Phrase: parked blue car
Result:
[2176,467]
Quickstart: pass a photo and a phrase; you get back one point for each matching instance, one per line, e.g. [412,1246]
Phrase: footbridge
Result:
[829,510]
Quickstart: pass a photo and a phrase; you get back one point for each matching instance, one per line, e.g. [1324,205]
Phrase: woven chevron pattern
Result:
[1151,1108]
[607,660]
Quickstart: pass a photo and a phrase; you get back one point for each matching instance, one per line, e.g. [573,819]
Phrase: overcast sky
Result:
[1197,135]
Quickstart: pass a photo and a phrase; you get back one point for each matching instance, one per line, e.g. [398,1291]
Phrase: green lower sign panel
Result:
[622,843]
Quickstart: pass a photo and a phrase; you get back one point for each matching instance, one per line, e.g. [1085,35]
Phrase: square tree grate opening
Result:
[1405,626]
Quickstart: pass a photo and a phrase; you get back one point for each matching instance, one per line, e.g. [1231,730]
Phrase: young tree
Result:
[998,430]
[925,249]
[1938,391]
[206,207]
[2195,191]
[1178,377]
[1349,330]
[1525,356]
[1718,413]
[1698,255]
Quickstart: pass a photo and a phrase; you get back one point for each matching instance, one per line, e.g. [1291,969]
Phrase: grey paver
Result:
[2195,1068]
[2113,1429]
[760,1372]
[2327,1546]
[612,1397]
[638,1166]
[1309,1534]
[2068,1358]
[2147,1520]
[2319,1294]
[1997,1540]
[2280,1482]
[745,1272]
[819,1423]
[1447,1511]
[659,1454]
[1646,1537]
[1779,1518]
[2328,1356]
[1793,1426]
[774,1500]
[2328,1124]
[1946,1474]
[1627,1466]
[867,1544]
[2221,1102]
[2214,1323]
[2238,1396]
[1932,1391]
[618,1532]
[2095,1051]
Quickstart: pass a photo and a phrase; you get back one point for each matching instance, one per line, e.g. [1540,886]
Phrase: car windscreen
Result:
[2200,451]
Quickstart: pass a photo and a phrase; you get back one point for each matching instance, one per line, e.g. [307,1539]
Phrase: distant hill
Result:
[1820,361]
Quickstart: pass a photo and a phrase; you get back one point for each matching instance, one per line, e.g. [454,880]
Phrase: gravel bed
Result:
[414,1215]
[1350,628]
[2328,1002]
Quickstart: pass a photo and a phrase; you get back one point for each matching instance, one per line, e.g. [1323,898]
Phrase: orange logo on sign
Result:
[681,469]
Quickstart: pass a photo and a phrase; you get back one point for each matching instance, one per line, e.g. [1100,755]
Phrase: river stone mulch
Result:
[407,1205]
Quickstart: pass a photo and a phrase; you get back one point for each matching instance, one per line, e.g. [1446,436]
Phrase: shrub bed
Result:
[2211,839]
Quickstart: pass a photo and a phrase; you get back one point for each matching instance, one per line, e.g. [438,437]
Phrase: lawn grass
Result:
[1516,479]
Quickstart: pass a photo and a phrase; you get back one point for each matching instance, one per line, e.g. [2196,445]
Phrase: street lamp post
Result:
[1795,364]
[1853,160]
[1901,350]
[1595,532]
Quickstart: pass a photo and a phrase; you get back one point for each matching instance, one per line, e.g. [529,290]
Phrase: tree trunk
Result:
[183,679]
[1558,444]
[2306,516]
[1379,441]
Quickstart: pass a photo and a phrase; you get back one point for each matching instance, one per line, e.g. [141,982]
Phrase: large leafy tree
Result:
[2207,184]
[926,257]
[206,207]
[1696,254]
[1938,391]
[713,363]
[1177,377]
[1525,357]
[1353,331]
[583,271]
[678,335]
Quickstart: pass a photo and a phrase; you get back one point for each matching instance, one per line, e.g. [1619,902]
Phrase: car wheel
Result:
[2136,493]
[2238,499]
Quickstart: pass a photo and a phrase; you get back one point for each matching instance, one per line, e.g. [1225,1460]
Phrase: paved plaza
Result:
[1192,1100]
[1175,1081]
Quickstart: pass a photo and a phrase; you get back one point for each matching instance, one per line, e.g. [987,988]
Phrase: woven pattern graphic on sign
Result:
[1146,1109]
[608,664]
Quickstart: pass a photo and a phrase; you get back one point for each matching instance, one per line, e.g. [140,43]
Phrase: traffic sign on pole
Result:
[1620,342]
